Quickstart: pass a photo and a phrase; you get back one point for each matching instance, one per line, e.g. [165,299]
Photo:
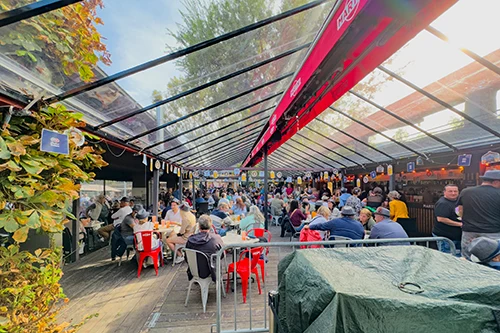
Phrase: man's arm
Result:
[447,221]
[460,210]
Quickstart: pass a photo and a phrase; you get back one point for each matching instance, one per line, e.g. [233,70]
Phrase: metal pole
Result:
[392,182]
[75,231]
[194,196]
[180,184]
[155,190]
[265,189]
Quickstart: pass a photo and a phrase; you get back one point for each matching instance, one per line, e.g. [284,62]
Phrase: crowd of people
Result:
[469,219]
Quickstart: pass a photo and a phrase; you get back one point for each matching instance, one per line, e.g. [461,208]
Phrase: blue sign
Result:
[53,142]
[236,171]
[206,173]
[261,173]
[373,174]
[464,160]
[410,167]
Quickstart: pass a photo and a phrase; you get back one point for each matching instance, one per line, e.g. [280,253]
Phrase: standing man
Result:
[480,210]
[446,221]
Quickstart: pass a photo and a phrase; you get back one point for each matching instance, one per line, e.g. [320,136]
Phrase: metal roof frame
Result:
[33,9]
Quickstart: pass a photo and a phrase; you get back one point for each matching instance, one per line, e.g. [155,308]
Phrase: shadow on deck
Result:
[124,303]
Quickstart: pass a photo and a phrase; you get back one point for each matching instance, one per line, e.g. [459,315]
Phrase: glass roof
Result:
[207,108]
[424,125]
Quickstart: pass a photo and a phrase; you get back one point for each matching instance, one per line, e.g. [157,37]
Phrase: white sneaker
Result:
[178,260]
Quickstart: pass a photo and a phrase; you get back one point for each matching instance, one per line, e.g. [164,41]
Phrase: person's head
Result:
[239,202]
[364,216]
[224,207]
[101,198]
[348,211]
[135,209]
[258,216]
[491,177]
[343,190]
[485,250]
[324,198]
[382,214]
[377,191]
[124,202]
[324,211]
[305,205]
[294,204]
[205,223]
[277,196]
[356,191]
[394,195]
[142,215]
[324,186]
[451,192]
[174,205]
[289,185]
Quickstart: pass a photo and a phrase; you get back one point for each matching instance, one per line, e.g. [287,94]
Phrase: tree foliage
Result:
[36,192]
[203,20]
[66,39]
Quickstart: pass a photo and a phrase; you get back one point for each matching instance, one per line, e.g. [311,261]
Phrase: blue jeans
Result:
[444,246]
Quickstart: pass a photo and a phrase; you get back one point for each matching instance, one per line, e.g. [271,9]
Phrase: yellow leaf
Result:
[11,165]
[16,148]
[28,140]
[21,235]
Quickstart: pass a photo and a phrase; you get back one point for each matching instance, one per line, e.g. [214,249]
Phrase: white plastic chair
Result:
[276,220]
[192,259]
[177,247]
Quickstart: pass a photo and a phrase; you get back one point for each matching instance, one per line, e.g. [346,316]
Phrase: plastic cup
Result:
[156,224]
[154,219]
[243,235]
[163,223]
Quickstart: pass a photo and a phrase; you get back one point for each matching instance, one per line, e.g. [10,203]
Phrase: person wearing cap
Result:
[345,226]
[486,251]
[386,228]
[397,207]
[187,229]
[117,218]
[343,197]
[142,223]
[334,211]
[479,208]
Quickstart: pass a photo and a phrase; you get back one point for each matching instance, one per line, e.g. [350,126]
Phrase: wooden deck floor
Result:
[123,303]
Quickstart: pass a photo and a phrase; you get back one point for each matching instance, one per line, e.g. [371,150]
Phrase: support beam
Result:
[340,145]
[218,130]
[403,120]
[191,114]
[194,195]
[201,87]
[377,132]
[441,102]
[33,9]
[266,218]
[155,191]
[330,150]
[218,119]
[216,144]
[491,66]
[183,52]
[180,185]
[319,153]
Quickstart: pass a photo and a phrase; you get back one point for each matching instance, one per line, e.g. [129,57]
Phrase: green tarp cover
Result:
[356,290]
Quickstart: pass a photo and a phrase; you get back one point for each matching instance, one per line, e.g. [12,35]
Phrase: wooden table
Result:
[167,231]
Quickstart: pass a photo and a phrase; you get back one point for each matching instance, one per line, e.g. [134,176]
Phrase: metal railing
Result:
[261,306]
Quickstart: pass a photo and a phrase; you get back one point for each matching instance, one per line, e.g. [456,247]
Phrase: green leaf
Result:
[32,57]
[34,221]
[10,224]
[21,234]
[4,152]
[21,53]
[34,170]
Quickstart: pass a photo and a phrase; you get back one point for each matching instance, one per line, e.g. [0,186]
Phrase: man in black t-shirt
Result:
[446,221]
[480,210]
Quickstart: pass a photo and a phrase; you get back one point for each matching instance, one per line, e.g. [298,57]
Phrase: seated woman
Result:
[254,219]
[323,214]
[296,215]
[366,219]
[142,224]
[187,229]
[239,208]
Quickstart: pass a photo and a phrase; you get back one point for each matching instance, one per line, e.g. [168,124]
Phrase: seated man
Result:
[486,251]
[345,226]
[220,218]
[206,242]
[387,228]
[123,234]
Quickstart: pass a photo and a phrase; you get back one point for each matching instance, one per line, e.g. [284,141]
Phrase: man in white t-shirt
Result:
[174,213]
[117,218]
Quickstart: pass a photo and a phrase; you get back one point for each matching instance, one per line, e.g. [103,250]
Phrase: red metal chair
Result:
[244,268]
[261,232]
[146,239]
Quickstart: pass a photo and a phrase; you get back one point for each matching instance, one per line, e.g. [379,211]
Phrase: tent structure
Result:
[313,84]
